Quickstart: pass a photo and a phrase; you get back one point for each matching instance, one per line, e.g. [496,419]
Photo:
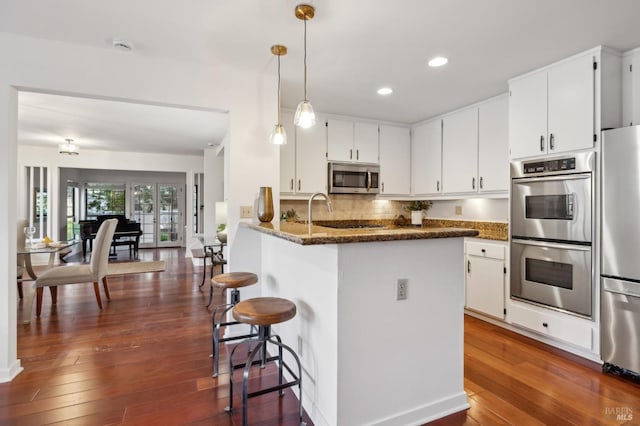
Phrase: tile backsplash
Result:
[360,207]
[347,207]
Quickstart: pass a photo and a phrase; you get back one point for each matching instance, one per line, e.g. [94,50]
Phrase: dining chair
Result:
[20,257]
[95,272]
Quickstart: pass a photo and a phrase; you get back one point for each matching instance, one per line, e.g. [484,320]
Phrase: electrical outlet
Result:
[458,210]
[246,212]
[402,288]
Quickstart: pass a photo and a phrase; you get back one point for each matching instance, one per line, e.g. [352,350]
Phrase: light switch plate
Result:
[246,212]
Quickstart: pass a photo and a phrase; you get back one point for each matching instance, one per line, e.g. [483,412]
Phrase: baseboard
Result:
[8,374]
[428,412]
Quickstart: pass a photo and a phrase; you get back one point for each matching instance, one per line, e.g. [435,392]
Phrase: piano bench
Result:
[133,247]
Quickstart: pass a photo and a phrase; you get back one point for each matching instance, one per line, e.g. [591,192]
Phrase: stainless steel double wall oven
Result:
[551,232]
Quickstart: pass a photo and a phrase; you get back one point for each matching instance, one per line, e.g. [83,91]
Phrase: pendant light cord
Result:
[278,89]
[305,58]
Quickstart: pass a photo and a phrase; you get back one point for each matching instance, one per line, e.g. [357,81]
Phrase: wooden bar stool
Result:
[233,281]
[264,312]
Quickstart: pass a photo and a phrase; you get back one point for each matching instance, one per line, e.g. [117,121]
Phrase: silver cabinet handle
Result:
[438,186]
[298,184]
[468,266]
[552,144]
[542,143]
[382,186]
[350,154]
[473,183]
[357,154]
[291,186]
[481,184]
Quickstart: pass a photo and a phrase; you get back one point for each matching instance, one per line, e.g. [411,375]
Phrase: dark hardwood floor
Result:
[144,360]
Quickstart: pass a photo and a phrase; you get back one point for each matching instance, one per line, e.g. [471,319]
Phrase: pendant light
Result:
[305,117]
[278,135]
[68,148]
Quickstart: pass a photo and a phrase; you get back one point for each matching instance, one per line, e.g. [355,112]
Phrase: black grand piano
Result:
[127,233]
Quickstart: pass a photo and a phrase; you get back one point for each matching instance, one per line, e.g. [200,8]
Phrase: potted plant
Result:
[289,216]
[416,208]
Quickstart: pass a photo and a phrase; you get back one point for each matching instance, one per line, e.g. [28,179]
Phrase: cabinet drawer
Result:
[568,329]
[494,251]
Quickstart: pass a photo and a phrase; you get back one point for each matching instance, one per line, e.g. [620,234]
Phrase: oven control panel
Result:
[546,166]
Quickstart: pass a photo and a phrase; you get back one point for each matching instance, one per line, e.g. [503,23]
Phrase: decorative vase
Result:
[222,236]
[416,217]
[265,204]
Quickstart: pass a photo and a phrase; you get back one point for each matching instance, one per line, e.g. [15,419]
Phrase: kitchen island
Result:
[367,357]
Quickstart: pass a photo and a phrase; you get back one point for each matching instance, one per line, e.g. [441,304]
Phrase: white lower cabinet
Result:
[559,326]
[485,277]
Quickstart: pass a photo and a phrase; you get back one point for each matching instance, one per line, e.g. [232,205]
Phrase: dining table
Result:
[41,248]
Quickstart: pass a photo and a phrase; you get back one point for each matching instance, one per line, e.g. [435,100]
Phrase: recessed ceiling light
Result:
[438,61]
[385,91]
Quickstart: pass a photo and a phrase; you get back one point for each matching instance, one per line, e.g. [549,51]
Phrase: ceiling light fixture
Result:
[278,135]
[305,117]
[68,148]
[385,91]
[438,61]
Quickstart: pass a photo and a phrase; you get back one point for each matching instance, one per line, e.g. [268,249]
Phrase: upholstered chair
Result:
[95,272]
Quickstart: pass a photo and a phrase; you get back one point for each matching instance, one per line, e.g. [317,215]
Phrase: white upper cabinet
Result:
[366,143]
[571,105]
[426,158]
[493,145]
[460,152]
[288,156]
[562,107]
[311,163]
[395,157]
[528,115]
[340,140]
[350,141]
[631,88]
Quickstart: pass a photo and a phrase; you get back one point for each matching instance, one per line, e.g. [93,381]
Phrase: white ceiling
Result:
[354,46]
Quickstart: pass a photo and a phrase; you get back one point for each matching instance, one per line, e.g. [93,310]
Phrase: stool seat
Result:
[234,280]
[264,311]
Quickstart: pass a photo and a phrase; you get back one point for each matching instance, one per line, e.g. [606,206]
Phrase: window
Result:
[104,199]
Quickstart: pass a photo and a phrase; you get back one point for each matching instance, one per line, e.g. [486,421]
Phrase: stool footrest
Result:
[274,388]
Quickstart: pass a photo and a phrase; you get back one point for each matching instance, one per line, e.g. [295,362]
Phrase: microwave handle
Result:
[550,244]
[368,180]
[524,181]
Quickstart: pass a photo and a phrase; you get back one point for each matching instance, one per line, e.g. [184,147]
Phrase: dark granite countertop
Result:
[299,233]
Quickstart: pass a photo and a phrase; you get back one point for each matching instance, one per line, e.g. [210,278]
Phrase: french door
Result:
[159,208]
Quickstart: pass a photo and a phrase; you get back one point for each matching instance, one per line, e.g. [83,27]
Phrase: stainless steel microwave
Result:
[349,178]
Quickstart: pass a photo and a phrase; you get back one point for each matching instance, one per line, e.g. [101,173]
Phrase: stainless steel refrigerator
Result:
[620,273]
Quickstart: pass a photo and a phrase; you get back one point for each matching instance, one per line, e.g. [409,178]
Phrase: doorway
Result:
[159,208]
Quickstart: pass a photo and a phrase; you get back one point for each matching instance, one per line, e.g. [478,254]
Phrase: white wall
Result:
[213,188]
[56,67]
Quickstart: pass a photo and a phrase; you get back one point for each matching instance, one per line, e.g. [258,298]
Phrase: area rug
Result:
[122,268]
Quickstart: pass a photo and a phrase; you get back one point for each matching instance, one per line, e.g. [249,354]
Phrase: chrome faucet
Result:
[329,207]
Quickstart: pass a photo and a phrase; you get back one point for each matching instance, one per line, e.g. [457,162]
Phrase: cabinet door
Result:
[340,140]
[288,156]
[366,143]
[460,152]
[571,105]
[311,163]
[485,285]
[528,115]
[631,89]
[395,160]
[493,145]
[426,158]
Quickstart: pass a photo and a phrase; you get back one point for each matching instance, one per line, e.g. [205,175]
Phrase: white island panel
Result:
[367,358]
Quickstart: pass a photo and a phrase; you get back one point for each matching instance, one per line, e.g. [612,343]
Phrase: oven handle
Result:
[521,181]
[550,244]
